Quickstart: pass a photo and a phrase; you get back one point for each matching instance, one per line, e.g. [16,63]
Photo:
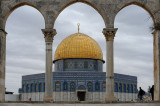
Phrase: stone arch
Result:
[122,6]
[18,6]
[140,6]
[79,1]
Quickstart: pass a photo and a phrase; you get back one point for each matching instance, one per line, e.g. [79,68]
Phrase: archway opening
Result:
[67,20]
[91,24]
[134,45]
[81,95]
[25,50]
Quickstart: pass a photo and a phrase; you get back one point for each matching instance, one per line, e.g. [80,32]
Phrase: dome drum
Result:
[70,65]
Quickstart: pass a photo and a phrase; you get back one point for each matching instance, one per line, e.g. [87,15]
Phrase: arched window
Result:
[75,65]
[37,88]
[40,87]
[115,87]
[27,88]
[43,87]
[31,86]
[70,65]
[131,88]
[23,88]
[128,88]
[97,87]
[65,65]
[85,64]
[58,86]
[124,87]
[95,67]
[120,87]
[104,86]
[58,66]
[72,86]
[90,86]
[65,86]
[135,88]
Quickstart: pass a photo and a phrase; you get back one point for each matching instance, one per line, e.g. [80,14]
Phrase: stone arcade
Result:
[108,9]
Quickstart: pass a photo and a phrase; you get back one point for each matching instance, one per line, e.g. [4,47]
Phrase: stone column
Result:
[2,64]
[48,35]
[156,52]
[109,34]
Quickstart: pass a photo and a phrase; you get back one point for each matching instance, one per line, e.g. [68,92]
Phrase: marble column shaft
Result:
[109,35]
[2,64]
[49,35]
[156,52]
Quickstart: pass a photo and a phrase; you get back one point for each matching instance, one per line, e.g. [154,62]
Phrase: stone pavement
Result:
[80,104]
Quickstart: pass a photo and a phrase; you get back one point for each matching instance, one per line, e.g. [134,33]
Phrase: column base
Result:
[48,99]
[110,98]
[2,93]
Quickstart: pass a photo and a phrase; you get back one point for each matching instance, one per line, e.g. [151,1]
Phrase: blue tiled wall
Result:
[123,83]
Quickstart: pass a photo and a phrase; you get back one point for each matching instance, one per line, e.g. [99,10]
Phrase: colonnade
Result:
[109,34]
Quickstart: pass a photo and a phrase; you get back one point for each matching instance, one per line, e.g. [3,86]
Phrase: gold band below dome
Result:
[78,45]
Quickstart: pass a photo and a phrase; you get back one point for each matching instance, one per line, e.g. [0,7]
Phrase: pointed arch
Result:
[79,1]
[124,88]
[65,86]
[97,86]
[90,86]
[18,6]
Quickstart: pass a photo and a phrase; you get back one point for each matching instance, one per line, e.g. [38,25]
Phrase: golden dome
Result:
[78,45]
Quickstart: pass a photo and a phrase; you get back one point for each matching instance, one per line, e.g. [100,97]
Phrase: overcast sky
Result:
[133,44]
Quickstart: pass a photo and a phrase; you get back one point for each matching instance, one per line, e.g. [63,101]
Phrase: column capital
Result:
[109,33]
[49,34]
